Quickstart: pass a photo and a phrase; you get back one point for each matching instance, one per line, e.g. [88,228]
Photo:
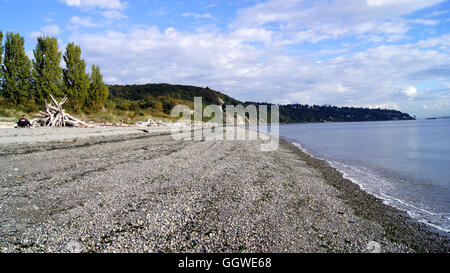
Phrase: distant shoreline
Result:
[358,121]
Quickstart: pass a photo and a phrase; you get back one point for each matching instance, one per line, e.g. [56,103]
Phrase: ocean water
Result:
[405,163]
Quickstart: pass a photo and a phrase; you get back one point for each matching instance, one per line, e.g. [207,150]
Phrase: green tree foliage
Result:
[16,70]
[161,98]
[294,113]
[47,72]
[27,84]
[76,80]
[1,59]
[98,93]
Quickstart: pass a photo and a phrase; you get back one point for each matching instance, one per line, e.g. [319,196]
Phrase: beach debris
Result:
[74,247]
[373,247]
[150,123]
[54,116]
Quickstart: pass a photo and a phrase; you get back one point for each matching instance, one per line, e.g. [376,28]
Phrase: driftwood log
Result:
[54,116]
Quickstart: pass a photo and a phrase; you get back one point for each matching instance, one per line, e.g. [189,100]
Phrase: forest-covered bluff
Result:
[161,98]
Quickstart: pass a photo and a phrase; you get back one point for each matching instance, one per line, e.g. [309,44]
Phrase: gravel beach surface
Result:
[126,190]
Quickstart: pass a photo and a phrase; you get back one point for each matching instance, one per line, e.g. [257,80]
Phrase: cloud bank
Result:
[263,54]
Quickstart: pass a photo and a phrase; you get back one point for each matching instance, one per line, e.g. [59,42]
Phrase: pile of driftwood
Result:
[54,116]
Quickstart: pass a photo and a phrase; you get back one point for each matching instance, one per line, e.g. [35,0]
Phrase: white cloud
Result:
[51,30]
[253,60]
[388,105]
[84,22]
[425,22]
[103,4]
[197,15]
[109,17]
[35,34]
[253,35]
[387,2]
[113,15]
[438,12]
[252,72]
[410,91]
[443,40]
[442,107]
[172,56]
[48,30]
[324,19]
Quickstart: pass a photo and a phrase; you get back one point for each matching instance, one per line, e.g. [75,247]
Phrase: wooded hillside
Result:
[162,97]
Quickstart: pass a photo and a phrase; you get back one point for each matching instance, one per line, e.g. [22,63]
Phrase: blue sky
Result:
[373,53]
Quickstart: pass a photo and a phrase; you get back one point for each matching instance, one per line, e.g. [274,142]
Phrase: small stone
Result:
[73,247]
[373,247]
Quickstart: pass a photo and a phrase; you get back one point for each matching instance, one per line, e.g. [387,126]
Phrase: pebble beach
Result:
[119,189]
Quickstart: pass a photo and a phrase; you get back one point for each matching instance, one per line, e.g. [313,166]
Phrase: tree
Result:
[47,72]
[1,60]
[99,92]
[76,80]
[16,70]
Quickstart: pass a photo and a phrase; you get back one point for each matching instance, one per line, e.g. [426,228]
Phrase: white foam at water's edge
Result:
[413,211]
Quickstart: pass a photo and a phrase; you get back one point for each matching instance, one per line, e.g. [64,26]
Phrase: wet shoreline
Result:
[399,226]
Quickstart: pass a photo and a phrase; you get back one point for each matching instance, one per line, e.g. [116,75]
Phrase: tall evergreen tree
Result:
[98,93]
[1,61]
[47,72]
[76,80]
[16,70]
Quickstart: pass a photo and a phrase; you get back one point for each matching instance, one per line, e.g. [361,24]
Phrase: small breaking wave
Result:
[376,185]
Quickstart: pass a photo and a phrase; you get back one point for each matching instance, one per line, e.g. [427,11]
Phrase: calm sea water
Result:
[405,163]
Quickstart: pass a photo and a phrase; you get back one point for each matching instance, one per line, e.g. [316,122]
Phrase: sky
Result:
[371,53]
